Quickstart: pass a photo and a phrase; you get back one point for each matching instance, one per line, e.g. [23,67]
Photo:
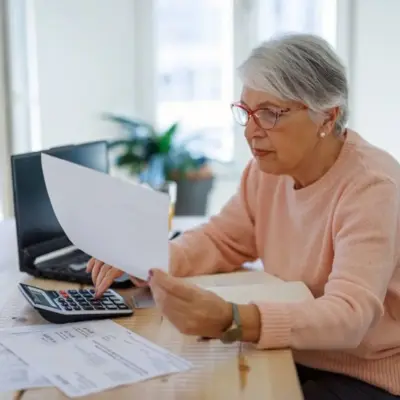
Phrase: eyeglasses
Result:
[264,117]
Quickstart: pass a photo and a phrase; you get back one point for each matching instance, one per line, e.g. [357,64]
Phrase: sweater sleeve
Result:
[226,241]
[365,228]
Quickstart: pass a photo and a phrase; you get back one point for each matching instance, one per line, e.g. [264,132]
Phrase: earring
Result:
[322,134]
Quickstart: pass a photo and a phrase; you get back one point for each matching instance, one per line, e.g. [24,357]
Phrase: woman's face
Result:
[283,148]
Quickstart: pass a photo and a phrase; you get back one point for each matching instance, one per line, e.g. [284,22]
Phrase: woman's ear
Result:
[330,119]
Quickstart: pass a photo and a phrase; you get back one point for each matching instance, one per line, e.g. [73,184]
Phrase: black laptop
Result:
[43,248]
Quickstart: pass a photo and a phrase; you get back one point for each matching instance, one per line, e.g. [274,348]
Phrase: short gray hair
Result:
[299,67]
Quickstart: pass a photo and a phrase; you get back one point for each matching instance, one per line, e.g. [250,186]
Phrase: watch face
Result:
[231,336]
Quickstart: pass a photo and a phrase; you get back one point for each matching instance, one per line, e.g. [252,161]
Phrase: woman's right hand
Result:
[103,275]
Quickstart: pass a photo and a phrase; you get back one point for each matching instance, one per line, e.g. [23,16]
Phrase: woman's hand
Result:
[192,310]
[103,275]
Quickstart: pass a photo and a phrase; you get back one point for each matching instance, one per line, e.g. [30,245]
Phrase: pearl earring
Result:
[322,134]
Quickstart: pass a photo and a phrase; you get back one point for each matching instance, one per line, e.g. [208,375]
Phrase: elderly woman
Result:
[318,204]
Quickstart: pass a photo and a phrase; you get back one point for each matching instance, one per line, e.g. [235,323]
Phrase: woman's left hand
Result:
[191,309]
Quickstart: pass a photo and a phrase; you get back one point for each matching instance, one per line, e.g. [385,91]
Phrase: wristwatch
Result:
[234,333]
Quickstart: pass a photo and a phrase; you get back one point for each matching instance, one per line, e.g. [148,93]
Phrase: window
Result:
[194,71]
[311,16]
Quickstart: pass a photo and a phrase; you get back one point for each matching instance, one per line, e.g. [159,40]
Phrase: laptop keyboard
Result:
[71,267]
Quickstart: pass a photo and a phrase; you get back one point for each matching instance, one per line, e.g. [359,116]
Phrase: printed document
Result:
[118,222]
[88,357]
[15,374]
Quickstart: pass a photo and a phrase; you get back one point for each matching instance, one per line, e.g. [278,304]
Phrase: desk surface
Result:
[216,373]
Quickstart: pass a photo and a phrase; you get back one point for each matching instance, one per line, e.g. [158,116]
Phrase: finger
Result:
[172,285]
[139,282]
[107,281]
[168,303]
[104,269]
[90,265]
[177,311]
[96,270]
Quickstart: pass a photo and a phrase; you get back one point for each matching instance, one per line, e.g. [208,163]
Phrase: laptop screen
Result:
[36,222]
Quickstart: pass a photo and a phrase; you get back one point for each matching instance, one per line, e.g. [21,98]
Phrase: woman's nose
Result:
[252,130]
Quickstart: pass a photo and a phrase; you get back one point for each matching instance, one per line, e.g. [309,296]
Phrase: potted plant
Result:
[156,157]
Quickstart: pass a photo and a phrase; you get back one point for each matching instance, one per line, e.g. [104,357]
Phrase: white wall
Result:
[375,67]
[86,66]
[5,179]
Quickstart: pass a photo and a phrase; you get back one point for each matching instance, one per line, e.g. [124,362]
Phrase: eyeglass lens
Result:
[265,118]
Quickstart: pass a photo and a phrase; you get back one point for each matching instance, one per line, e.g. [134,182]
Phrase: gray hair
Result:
[299,67]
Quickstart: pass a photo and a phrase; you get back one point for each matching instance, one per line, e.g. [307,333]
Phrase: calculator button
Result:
[85,293]
[77,308]
[68,308]
[122,307]
[111,307]
[81,300]
[87,307]
[99,307]
[72,292]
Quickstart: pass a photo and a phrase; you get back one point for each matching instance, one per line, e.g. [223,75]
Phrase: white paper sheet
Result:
[89,357]
[276,292]
[15,374]
[121,223]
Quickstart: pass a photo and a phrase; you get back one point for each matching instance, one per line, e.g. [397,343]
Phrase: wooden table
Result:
[216,373]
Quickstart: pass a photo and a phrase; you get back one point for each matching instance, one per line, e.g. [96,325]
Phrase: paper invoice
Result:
[88,357]
[15,374]
[118,222]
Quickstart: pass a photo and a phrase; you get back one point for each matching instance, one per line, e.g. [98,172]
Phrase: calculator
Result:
[63,306]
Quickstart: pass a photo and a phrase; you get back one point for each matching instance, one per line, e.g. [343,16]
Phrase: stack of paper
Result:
[80,358]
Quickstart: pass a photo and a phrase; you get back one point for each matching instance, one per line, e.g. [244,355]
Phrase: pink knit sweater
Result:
[340,236]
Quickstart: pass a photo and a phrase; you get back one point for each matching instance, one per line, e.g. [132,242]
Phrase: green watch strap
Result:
[234,332]
[236,315]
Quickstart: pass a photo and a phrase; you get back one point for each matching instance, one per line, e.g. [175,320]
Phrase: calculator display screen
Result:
[41,298]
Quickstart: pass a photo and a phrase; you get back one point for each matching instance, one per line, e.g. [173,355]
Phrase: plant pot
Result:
[192,196]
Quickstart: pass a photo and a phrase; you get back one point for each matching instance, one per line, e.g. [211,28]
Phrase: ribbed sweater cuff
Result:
[275,326]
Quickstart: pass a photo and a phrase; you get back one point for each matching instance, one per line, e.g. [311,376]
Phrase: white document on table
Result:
[120,223]
[88,357]
[275,292]
[15,374]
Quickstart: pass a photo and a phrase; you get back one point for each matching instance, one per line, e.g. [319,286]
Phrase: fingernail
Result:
[150,275]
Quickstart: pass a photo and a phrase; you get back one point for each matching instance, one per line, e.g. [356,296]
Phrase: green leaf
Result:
[164,144]
[128,159]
